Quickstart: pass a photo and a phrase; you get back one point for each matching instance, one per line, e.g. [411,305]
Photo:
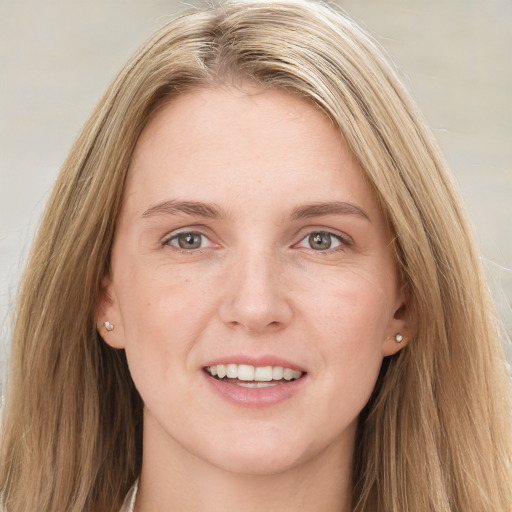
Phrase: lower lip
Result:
[255,397]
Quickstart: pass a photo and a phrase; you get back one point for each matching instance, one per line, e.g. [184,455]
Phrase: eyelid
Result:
[174,235]
[344,240]
[187,228]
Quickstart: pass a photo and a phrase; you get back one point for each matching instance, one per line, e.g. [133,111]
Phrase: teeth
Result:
[277,372]
[245,372]
[263,373]
[258,374]
[288,374]
[257,384]
[232,371]
[221,371]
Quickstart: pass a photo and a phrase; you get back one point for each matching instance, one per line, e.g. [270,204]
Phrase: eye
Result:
[321,241]
[188,240]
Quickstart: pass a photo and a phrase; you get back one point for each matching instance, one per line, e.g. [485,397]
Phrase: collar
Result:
[129,501]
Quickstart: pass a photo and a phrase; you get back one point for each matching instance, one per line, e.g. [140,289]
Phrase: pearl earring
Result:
[108,326]
[399,338]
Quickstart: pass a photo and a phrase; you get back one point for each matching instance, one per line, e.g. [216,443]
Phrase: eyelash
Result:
[342,241]
[175,238]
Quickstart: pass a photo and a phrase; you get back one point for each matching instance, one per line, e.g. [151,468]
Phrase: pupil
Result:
[320,241]
[189,241]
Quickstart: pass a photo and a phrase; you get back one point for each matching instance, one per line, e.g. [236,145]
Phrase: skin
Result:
[255,287]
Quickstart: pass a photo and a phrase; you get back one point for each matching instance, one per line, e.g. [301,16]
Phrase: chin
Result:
[256,464]
[263,457]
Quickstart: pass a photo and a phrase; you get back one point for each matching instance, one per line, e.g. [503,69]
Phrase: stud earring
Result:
[399,338]
[108,326]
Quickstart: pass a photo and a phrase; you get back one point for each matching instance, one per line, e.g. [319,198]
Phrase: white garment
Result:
[129,501]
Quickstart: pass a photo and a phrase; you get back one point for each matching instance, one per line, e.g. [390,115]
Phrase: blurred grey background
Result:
[57,58]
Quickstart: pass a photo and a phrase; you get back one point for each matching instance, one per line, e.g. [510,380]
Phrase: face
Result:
[250,246]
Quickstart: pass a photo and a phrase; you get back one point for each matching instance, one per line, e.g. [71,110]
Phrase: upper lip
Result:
[264,360]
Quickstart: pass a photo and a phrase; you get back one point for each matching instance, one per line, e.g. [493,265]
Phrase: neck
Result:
[186,482]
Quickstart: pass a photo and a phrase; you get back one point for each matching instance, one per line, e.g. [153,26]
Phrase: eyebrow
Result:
[213,211]
[195,208]
[330,208]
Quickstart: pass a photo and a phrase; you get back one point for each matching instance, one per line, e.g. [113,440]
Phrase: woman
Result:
[254,287]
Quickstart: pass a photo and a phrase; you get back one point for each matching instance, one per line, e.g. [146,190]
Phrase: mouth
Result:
[247,376]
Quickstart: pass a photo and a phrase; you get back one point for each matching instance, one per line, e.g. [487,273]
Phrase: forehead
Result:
[225,143]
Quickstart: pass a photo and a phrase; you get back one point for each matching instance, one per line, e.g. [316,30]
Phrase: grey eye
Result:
[187,240]
[320,241]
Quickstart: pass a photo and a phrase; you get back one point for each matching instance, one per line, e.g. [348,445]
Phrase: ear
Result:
[108,316]
[400,328]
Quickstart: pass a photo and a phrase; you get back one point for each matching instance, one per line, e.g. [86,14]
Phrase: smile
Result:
[246,375]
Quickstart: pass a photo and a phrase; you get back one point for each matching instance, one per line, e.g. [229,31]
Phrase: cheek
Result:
[163,322]
[163,315]
[353,304]
[349,324]
[156,298]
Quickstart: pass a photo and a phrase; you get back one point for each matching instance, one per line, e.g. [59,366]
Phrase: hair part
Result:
[435,435]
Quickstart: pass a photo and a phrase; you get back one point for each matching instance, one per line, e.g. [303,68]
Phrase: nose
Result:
[255,297]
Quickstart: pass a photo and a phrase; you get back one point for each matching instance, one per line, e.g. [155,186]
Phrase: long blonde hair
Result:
[436,434]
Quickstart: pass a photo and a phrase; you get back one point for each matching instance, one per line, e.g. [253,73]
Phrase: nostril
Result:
[255,327]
